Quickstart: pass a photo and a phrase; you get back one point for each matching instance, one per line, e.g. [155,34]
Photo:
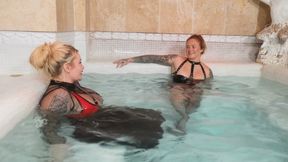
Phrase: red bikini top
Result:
[87,107]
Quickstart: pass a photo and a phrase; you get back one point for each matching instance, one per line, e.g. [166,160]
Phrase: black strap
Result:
[193,63]
[203,71]
[180,66]
[192,69]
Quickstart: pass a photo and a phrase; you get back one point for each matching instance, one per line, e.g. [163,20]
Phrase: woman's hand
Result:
[122,62]
[58,152]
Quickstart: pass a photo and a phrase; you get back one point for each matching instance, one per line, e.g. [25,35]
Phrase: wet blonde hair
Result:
[50,57]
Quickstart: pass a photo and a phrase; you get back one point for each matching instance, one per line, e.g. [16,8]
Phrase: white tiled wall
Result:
[16,47]
[108,46]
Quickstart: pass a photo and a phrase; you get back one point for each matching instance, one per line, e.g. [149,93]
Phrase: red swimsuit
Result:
[88,107]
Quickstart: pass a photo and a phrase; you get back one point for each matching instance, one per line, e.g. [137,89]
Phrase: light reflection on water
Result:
[239,119]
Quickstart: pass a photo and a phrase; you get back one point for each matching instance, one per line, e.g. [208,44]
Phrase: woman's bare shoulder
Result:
[207,69]
[178,57]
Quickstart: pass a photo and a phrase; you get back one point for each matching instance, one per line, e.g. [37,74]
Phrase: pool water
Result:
[239,119]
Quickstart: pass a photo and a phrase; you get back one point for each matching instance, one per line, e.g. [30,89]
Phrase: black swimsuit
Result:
[182,79]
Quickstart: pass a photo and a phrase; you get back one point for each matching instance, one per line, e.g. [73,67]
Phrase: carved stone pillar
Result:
[274,50]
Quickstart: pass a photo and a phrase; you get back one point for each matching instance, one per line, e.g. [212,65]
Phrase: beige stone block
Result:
[209,16]
[142,15]
[224,17]
[28,15]
[176,16]
[80,15]
[65,15]
[264,18]
[241,18]
[107,15]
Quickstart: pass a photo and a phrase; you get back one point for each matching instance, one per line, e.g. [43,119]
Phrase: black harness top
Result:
[182,79]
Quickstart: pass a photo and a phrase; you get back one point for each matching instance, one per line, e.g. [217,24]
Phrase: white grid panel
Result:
[106,46]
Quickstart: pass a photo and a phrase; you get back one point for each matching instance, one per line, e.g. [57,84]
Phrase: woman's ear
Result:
[66,67]
[202,51]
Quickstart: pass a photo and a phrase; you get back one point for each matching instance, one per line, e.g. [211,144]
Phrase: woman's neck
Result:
[194,59]
[61,78]
[66,85]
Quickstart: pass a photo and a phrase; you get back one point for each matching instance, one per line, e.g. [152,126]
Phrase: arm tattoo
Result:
[158,59]
[59,104]
[55,107]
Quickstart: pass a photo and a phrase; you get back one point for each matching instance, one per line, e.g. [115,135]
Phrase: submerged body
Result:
[66,99]
[186,92]
[132,126]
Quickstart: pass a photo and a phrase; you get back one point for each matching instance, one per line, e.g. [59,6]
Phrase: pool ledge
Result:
[19,95]
[219,69]
[276,73]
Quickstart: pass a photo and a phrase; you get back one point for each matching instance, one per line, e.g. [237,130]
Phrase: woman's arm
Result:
[53,107]
[50,128]
[157,59]
[58,147]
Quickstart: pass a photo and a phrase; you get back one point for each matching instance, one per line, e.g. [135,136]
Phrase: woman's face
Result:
[193,49]
[76,68]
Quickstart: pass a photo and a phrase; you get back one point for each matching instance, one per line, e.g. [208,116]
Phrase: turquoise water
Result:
[239,119]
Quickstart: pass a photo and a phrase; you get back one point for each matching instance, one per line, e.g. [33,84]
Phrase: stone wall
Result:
[209,17]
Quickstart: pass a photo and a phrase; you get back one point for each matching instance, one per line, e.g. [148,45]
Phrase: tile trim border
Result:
[171,37]
[36,37]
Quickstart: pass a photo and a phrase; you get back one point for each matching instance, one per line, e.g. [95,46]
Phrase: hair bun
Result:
[49,57]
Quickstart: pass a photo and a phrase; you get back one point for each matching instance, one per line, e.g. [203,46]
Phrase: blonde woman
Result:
[65,100]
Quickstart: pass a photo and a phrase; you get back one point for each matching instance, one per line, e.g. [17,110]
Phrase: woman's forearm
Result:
[157,59]
[49,128]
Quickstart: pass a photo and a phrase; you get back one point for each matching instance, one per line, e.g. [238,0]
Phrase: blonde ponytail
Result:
[50,57]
